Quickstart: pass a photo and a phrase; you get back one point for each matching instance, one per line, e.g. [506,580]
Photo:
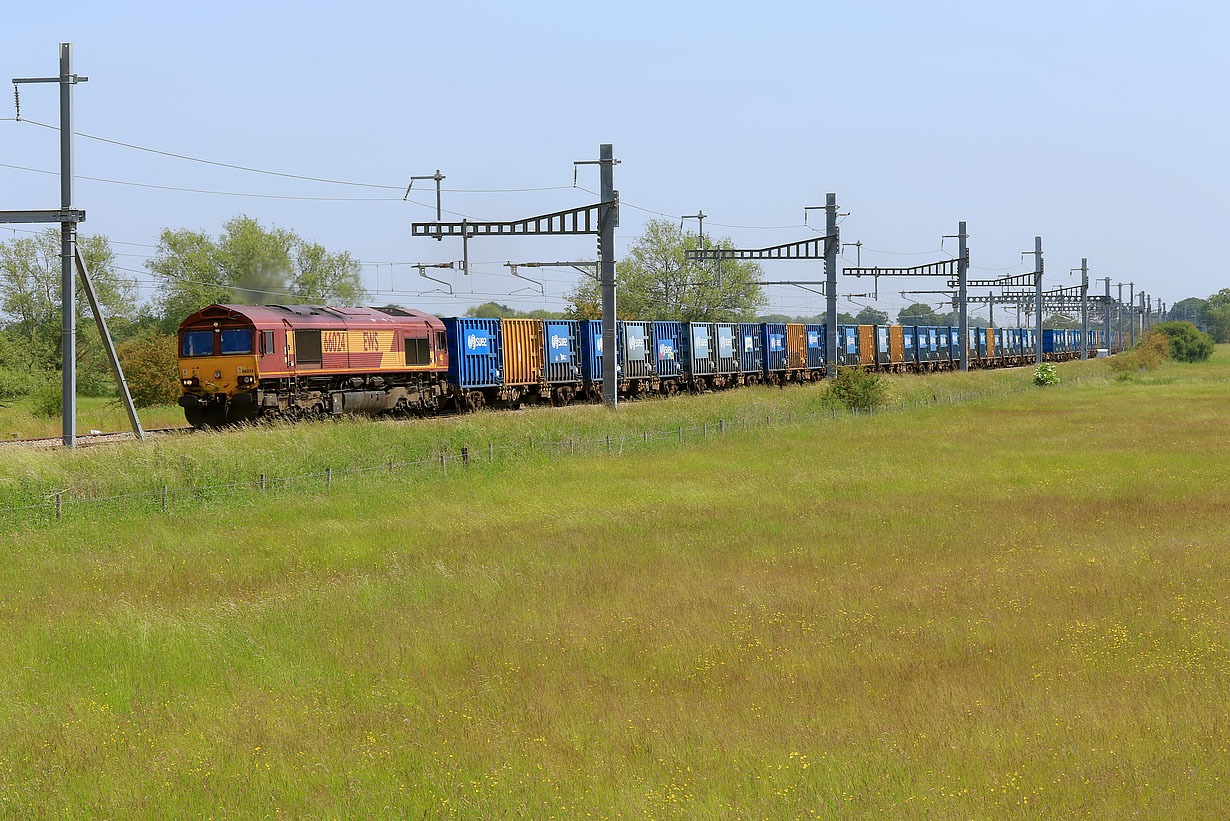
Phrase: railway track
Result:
[92,439]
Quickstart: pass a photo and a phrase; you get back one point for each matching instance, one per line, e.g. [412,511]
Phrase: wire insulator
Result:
[17,101]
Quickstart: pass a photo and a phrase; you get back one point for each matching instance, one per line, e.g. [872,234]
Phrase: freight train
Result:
[240,363]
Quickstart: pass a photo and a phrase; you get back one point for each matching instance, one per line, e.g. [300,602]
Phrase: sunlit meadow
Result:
[1006,607]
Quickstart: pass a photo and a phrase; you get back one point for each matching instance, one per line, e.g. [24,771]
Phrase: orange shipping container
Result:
[866,344]
[523,351]
[796,345]
[896,343]
[990,342]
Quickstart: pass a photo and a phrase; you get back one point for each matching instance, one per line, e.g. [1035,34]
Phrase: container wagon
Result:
[817,343]
[751,354]
[726,362]
[636,356]
[773,345]
[796,351]
[562,351]
[699,355]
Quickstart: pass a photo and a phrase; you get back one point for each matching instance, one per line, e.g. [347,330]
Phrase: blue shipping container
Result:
[636,349]
[748,341]
[668,347]
[699,348]
[773,343]
[562,349]
[727,360]
[816,343]
[475,352]
[591,349]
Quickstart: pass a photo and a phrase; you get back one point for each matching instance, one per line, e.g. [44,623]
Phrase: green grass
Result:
[182,461]
[1006,607]
[19,421]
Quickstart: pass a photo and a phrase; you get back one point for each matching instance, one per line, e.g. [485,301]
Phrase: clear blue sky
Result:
[1100,126]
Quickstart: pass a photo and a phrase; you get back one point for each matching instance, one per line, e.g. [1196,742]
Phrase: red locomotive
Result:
[240,362]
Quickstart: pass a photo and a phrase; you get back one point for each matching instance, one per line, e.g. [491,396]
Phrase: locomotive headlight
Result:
[191,382]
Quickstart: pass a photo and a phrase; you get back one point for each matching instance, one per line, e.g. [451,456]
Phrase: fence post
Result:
[390,464]
[262,482]
[329,477]
[646,437]
[444,463]
[59,505]
[465,456]
[721,426]
[164,498]
[490,452]
[608,443]
[572,446]
[681,434]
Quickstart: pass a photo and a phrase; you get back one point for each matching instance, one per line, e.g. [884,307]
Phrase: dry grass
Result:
[1003,608]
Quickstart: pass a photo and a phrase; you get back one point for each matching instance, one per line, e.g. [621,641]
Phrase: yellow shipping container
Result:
[896,344]
[796,345]
[866,344]
[523,351]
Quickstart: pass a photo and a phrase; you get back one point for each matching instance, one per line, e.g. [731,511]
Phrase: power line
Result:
[282,173]
[223,193]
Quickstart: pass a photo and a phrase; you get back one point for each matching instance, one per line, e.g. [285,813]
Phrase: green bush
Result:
[1046,374]
[856,388]
[1187,342]
[1151,351]
[16,381]
[151,369]
[48,401]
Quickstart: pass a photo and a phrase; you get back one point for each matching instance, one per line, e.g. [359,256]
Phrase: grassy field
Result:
[997,608]
[19,421]
[182,461]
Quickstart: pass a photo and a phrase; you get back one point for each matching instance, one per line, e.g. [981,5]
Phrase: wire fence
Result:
[165,499]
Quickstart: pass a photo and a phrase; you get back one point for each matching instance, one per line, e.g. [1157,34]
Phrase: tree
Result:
[1189,310]
[657,281]
[1216,315]
[918,314]
[819,319]
[150,368]
[248,264]
[1061,321]
[870,316]
[496,310]
[1187,342]
[30,305]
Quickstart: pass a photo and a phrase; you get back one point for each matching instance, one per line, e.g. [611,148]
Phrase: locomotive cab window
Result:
[307,347]
[197,343]
[267,342]
[418,352]
[440,340]
[236,340]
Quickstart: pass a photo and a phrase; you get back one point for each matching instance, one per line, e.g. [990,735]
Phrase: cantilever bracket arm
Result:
[423,274]
[125,395]
[930,269]
[810,248]
[583,220]
[512,267]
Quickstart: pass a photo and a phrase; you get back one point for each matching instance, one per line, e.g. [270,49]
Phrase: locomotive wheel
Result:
[212,417]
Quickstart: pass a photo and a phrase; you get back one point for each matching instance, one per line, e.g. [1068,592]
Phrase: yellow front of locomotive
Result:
[218,373]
